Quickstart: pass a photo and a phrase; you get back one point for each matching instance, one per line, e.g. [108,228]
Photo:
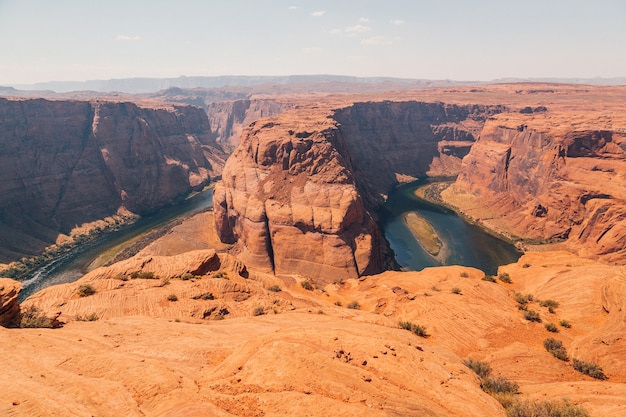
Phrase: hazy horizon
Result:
[483,40]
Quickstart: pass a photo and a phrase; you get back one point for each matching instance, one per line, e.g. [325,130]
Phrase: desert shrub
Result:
[354,305]
[589,368]
[204,296]
[414,328]
[89,317]
[258,311]
[142,275]
[306,285]
[523,299]
[464,274]
[274,288]
[551,304]
[121,277]
[551,327]
[545,409]
[456,290]
[526,266]
[165,281]
[505,277]
[556,349]
[172,297]
[565,323]
[499,385]
[480,368]
[532,315]
[435,288]
[186,276]
[220,274]
[85,290]
[489,278]
[32,317]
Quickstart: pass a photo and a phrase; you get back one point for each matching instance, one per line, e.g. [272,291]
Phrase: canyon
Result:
[283,299]
[66,164]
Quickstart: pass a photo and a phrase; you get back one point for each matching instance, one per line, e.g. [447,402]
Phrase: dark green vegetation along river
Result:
[463,243]
[72,265]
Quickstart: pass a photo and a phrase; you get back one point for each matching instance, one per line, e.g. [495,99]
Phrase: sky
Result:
[77,40]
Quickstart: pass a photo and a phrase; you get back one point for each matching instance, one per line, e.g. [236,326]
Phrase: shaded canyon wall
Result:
[65,163]
[298,195]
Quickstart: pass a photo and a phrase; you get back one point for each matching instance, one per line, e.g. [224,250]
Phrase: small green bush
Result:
[526,266]
[556,349]
[480,368]
[589,368]
[258,311]
[435,288]
[489,278]
[89,317]
[186,276]
[32,317]
[414,328]
[142,275]
[172,297]
[505,277]
[551,327]
[85,290]
[306,285]
[204,296]
[220,274]
[565,323]
[545,409]
[523,299]
[551,304]
[354,305]
[464,274]
[499,385]
[274,288]
[532,315]
[456,290]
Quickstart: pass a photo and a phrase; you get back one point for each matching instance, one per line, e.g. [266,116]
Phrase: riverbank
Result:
[423,233]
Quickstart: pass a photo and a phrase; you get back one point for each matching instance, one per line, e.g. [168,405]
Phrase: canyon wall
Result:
[552,186]
[229,118]
[299,194]
[66,163]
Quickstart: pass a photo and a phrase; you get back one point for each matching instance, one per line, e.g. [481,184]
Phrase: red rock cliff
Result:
[65,163]
[299,193]
[566,185]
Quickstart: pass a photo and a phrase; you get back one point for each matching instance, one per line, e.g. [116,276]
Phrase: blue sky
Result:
[45,40]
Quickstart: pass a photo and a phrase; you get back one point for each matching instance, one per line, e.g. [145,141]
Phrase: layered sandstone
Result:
[546,184]
[9,306]
[298,195]
[66,163]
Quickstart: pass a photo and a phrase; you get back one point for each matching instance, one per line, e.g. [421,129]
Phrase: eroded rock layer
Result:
[548,185]
[66,163]
[299,192]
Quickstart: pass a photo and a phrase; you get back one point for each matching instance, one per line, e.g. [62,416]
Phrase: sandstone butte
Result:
[232,345]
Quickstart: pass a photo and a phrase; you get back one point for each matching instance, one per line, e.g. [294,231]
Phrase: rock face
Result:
[65,163]
[299,193]
[9,306]
[229,118]
[545,185]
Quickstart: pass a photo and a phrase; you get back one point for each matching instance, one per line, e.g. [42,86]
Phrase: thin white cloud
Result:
[376,40]
[318,13]
[364,20]
[398,22]
[292,8]
[357,29]
[335,31]
[127,38]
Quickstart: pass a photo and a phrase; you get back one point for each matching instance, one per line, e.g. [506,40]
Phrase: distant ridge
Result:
[150,85]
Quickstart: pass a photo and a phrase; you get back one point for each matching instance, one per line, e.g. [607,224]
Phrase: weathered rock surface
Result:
[299,192]
[9,305]
[544,185]
[66,163]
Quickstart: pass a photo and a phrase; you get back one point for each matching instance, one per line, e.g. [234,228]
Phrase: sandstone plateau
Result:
[281,301]
[68,163]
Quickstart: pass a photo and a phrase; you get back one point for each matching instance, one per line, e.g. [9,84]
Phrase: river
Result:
[72,265]
[464,243]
